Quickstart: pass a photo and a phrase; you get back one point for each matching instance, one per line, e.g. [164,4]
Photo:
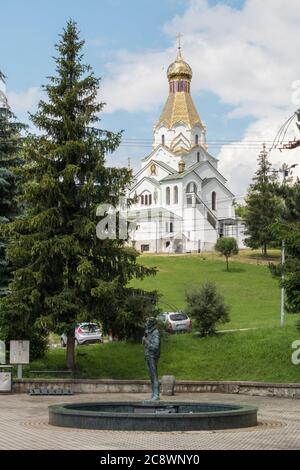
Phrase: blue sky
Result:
[31,28]
[121,34]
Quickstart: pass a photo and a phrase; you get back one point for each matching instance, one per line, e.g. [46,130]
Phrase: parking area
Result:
[24,425]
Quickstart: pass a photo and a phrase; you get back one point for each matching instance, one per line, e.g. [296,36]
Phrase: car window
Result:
[178,316]
[89,327]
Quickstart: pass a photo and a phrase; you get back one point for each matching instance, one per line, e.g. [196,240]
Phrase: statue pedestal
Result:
[168,385]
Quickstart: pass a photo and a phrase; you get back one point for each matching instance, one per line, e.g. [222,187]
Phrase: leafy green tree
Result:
[10,142]
[227,246]
[64,274]
[207,308]
[263,205]
[240,211]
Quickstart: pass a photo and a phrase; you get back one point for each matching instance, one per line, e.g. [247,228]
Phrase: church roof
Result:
[165,166]
[145,178]
[180,108]
[181,175]
[214,178]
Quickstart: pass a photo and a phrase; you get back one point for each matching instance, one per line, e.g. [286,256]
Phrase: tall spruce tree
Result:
[10,141]
[263,205]
[64,273]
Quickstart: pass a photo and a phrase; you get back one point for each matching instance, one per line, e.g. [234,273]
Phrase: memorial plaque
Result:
[19,352]
[5,381]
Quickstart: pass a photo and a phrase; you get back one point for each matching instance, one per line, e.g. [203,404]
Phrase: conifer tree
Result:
[263,205]
[10,142]
[64,273]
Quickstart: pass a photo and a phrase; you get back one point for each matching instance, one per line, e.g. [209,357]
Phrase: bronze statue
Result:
[151,341]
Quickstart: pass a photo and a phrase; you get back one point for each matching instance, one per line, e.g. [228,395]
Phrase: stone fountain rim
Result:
[234,409]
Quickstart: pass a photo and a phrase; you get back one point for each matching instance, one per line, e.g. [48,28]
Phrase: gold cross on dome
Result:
[178,37]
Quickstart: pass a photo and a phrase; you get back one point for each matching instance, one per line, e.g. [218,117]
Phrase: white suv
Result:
[175,321]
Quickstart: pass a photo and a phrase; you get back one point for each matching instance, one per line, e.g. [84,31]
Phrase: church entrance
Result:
[178,246]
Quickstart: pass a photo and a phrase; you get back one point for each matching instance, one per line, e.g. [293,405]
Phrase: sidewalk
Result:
[24,425]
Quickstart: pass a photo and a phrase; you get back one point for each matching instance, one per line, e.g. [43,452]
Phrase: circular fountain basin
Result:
[149,416]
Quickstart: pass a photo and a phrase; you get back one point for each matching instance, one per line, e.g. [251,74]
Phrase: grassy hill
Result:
[256,355]
[249,289]
[262,353]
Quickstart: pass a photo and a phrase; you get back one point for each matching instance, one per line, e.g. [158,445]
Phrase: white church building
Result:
[181,201]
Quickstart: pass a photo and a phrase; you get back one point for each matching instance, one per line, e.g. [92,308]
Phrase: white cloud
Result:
[23,101]
[135,82]
[238,161]
[247,57]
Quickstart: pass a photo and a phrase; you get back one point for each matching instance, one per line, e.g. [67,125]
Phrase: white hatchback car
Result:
[85,333]
[175,321]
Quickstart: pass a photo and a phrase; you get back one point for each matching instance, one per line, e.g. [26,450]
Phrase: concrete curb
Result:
[290,390]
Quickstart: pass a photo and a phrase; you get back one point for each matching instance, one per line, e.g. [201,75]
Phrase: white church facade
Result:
[181,201]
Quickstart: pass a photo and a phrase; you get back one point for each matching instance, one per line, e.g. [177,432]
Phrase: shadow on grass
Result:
[234,269]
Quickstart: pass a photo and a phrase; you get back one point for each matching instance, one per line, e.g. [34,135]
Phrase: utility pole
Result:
[282,279]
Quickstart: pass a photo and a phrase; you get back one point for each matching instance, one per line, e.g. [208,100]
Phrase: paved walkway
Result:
[24,425]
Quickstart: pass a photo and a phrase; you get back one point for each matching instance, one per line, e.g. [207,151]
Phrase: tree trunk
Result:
[70,354]
[227,265]
[264,250]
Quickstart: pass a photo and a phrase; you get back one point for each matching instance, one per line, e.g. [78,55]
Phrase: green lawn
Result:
[257,355]
[262,353]
[249,289]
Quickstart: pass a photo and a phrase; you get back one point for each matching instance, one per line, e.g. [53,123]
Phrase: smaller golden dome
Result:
[181,166]
[179,68]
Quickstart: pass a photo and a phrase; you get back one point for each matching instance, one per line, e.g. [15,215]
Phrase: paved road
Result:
[24,425]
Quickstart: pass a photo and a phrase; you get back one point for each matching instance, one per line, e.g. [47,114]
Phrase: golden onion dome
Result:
[179,69]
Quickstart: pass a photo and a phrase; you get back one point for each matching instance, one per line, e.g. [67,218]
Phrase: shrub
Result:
[207,308]
[227,246]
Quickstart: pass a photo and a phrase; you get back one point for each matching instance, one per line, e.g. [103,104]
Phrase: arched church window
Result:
[146,199]
[176,195]
[191,188]
[198,157]
[168,196]
[214,201]
[196,139]
[163,139]
[171,227]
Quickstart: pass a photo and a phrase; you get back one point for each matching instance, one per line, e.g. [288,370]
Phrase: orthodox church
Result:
[181,201]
